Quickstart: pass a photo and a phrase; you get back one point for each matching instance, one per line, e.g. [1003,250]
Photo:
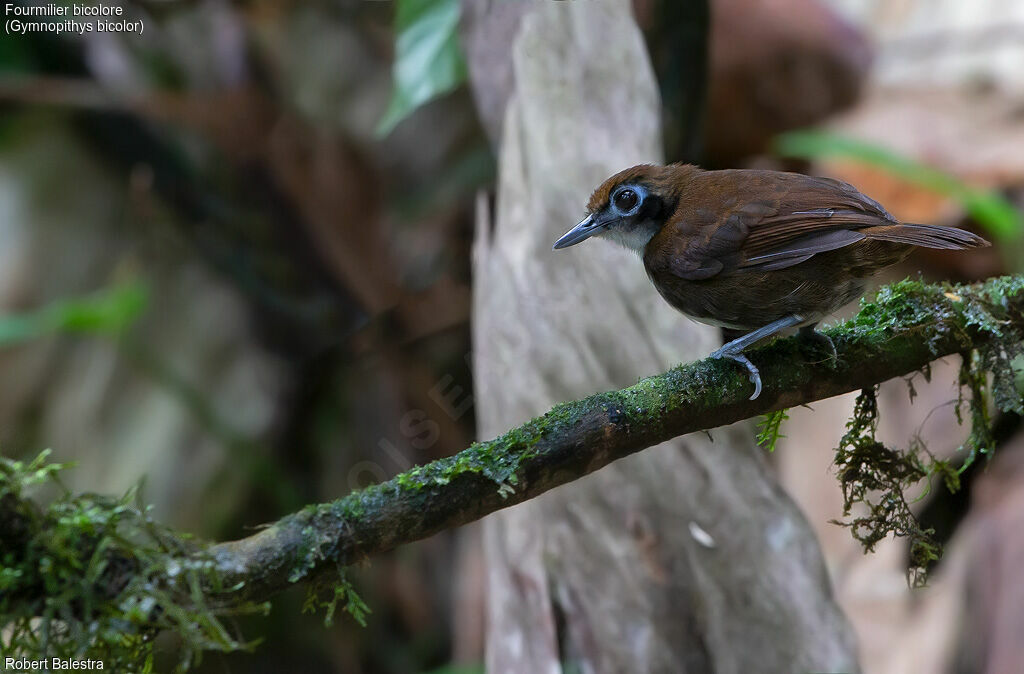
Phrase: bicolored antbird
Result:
[754,252]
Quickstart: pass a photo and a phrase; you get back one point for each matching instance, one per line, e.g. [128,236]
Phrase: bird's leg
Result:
[734,350]
[809,333]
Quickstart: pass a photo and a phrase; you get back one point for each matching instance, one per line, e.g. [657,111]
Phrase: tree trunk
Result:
[684,558]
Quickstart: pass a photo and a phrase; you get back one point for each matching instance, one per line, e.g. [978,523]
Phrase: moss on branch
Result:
[906,327]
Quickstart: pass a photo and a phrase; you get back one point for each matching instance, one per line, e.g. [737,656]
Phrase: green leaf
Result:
[997,215]
[428,59]
[108,312]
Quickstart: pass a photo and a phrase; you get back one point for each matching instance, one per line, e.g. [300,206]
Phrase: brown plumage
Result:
[754,251]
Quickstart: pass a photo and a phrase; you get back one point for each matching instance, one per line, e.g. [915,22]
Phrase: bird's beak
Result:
[587,227]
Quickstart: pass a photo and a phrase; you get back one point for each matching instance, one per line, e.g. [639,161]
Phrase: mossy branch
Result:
[909,325]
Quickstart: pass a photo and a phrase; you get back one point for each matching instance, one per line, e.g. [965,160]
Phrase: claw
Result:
[813,335]
[755,375]
[734,349]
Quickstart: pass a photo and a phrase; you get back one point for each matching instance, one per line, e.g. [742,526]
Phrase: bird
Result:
[754,252]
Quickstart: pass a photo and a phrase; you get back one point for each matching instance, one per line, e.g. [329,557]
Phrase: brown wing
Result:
[741,221]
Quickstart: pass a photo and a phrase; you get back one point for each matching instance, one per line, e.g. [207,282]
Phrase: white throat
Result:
[634,238]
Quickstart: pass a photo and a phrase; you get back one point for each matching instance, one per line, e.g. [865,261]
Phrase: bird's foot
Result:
[755,376]
[821,339]
[734,349]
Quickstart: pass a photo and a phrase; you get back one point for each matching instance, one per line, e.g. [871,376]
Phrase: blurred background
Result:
[235,264]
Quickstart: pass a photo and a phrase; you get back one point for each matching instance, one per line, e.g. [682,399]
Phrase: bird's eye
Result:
[626,200]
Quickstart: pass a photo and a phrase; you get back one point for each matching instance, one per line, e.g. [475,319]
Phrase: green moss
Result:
[340,591]
[498,460]
[770,429]
[79,578]
[974,380]
[875,478]
[895,306]
[307,554]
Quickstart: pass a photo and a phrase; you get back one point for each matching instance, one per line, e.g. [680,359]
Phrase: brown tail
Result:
[928,236]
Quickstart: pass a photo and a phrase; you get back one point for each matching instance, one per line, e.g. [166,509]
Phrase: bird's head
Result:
[631,206]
